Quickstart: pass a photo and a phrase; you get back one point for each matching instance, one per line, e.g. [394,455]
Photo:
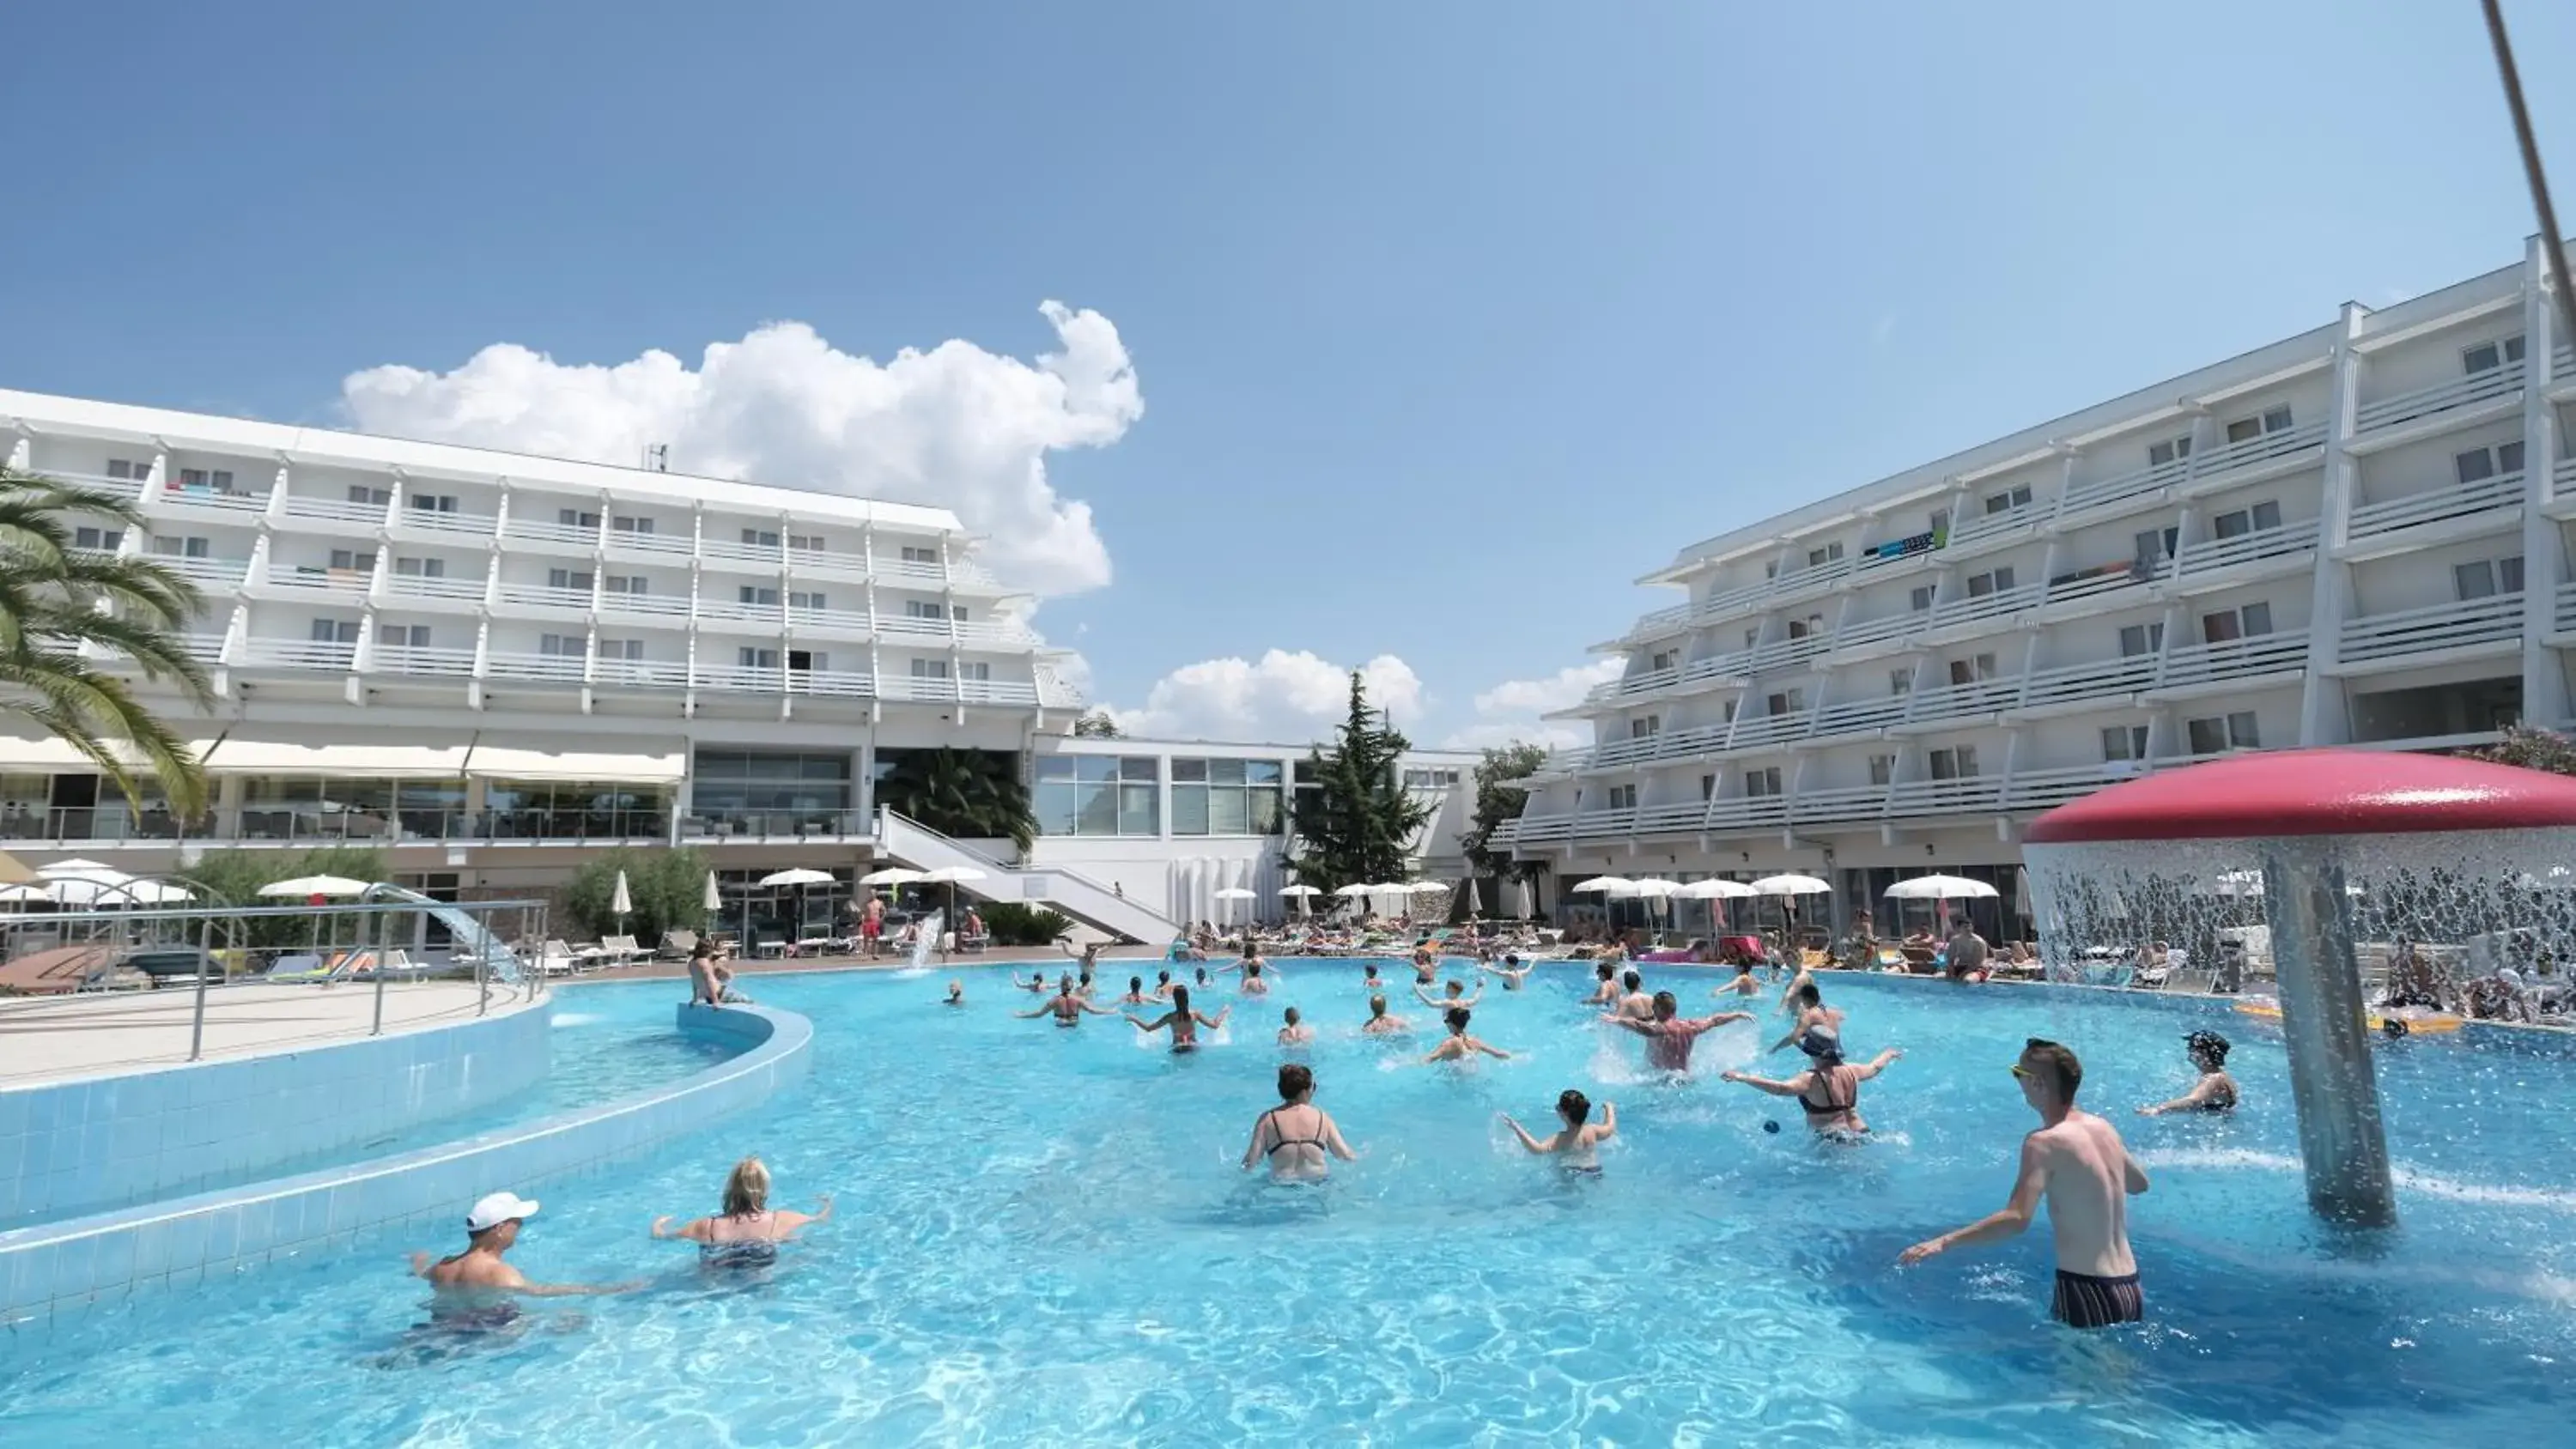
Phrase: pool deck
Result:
[61,1038]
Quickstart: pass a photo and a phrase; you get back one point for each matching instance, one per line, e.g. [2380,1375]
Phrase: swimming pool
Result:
[1042,1238]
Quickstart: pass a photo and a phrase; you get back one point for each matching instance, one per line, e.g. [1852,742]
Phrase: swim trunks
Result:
[2085,1301]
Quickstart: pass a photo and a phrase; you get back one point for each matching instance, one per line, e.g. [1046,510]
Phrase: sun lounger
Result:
[556,958]
[303,967]
[619,950]
[677,945]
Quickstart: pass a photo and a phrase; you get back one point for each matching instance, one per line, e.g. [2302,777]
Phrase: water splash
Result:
[918,963]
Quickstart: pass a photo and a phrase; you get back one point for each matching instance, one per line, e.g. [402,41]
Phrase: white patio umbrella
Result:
[712,903]
[950,875]
[1304,896]
[1788,888]
[1941,888]
[23,894]
[305,887]
[891,875]
[621,903]
[1608,885]
[1654,886]
[799,877]
[1475,898]
[1715,889]
[1528,908]
[1235,893]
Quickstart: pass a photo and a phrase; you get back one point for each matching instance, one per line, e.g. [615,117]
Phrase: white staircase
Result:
[1075,894]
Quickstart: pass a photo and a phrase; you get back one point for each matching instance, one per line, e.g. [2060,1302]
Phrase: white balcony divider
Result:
[2255,654]
[2436,626]
[2211,554]
[2424,402]
[2434,505]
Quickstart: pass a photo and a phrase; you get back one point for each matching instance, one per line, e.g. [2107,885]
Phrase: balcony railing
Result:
[1747,812]
[2246,658]
[2250,452]
[298,654]
[538,530]
[839,621]
[1673,818]
[1976,697]
[2048,789]
[2455,500]
[422,659]
[1987,525]
[1963,795]
[640,674]
[213,499]
[844,684]
[205,573]
[1765,729]
[650,545]
[1813,576]
[721,825]
[408,519]
[2121,487]
[911,571]
[1877,631]
[2437,626]
[1838,803]
[1860,716]
[2101,579]
[544,596]
[2424,402]
[733,611]
[2075,682]
[1974,607]
[725,550]
[336,510]
[129,489]
[345,584]
[2211,554]
[667,607]
[1645,681]
[554,668]
[420,586]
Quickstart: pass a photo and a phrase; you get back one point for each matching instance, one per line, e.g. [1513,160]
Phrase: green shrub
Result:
[1014,924]
[233,878]
[667,887]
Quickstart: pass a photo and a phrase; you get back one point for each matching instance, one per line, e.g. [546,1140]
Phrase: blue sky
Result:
[1448,319]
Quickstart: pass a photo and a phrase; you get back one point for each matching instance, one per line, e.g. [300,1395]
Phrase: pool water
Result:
[1042,1237]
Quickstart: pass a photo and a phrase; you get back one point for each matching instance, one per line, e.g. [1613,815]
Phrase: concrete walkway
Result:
[58,1037]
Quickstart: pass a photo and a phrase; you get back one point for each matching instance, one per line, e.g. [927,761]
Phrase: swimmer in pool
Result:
[1576,1145]
[1815,1019]
[1458,1046]
[956,993]
[1066,1006]
[1379,1023]
[1184,1023]
[1253,984]
[1743,983]
[2077,1163]
[1296,1134]
[746,1234]
[1634,1003]
[475,1288]
[1203,979]
[1828,1091]
[2215,1092]
[1082,986]
[1135,993]
[1456,995]
[1296,1032]
[1799,981]
[1036,985]
[1162,986]
[1606,993]
[1426,964]
[1669,1034]
[1370,979]
[1514,971]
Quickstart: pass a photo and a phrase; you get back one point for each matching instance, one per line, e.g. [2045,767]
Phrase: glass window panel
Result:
[1137,809]
[2267,515]
[1054,800]
[1225,772]
[1139,767]
[1265,810]
[1228,811]
[1261,772]
[1055,767]
[1098,805]
[1189,809]
[1190,770]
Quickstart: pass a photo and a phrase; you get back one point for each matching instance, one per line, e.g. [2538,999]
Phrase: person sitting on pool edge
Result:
[1296,1134]
[1458,1046]
[2078,1164]
[1576,1145]
[746,1234]
[2215,1091]
[1296,1032]
[710,980]
[1183,1022]
[1379,1023]
[1828,1091]
[1669,1034]
[473,1289]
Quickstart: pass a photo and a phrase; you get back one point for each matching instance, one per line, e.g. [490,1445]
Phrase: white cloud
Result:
[1282,698]
[956,426]
[1509,712]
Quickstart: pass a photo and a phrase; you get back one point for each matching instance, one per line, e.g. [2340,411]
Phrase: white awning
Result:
[637,767]
[50,754]
[341,762]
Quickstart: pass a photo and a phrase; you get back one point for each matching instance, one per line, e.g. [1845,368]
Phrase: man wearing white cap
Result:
[474,1286]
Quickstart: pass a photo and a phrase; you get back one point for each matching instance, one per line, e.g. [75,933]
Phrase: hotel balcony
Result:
[2219,563]
[2485,505]
[2427,410]
[2194,668]
[2468,629]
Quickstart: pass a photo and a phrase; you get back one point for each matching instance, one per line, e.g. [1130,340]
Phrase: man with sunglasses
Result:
[2078,1163]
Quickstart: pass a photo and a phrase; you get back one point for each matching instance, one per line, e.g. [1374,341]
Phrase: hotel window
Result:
[976,669]
[915,554]
[756,594]
[182,547]
[577,579]
[1099,795]
[804,543]
[430,502]
[353,560]
[2155,545]
[2137,639]
[2478,464]
[218,479]
[760,537]
[1819,557]
[626,649]
[361,493]
[2008,500]
[1954,762]
[803,600]
[2223,732]
[624,523]
[926,609]
[1430,779]
[2123,742]
[2487,356]
[1730,711]
[1662,659]
[2270,420]
[1940,521]
[1708,787]
[747,657]
[1882,768]
[1900,681]
[2242,521]
[1787,702]
[1771,570]
[563,646]
[1639,729]
[1993,581]
[2169,451]
[1751,636]
[930,669]
[126,468]
[421,568]
[1971,670]
[1226,797]
[739,782]
[333,631]
[1764,781]
[576,518]
[2229,625]
[2486,578]
[403,636]
[627,584]
[1920,601]
[1623,797]
[103,540]
[806,661]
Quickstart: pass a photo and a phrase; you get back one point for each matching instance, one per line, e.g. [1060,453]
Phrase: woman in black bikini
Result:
[2215,1091]
[1828,1091]
[1296,1134]
[1184,1022]
[747,1233]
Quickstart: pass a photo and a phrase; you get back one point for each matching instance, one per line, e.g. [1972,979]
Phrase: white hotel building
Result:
[494,665]
[2355,536]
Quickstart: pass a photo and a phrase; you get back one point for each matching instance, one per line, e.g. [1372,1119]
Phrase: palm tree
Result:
[972,793]
[55,598]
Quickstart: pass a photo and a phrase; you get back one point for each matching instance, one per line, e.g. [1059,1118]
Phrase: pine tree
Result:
[1357,824]
[1499,799]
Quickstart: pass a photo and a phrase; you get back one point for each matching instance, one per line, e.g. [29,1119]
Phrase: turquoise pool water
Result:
[1042,1238]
